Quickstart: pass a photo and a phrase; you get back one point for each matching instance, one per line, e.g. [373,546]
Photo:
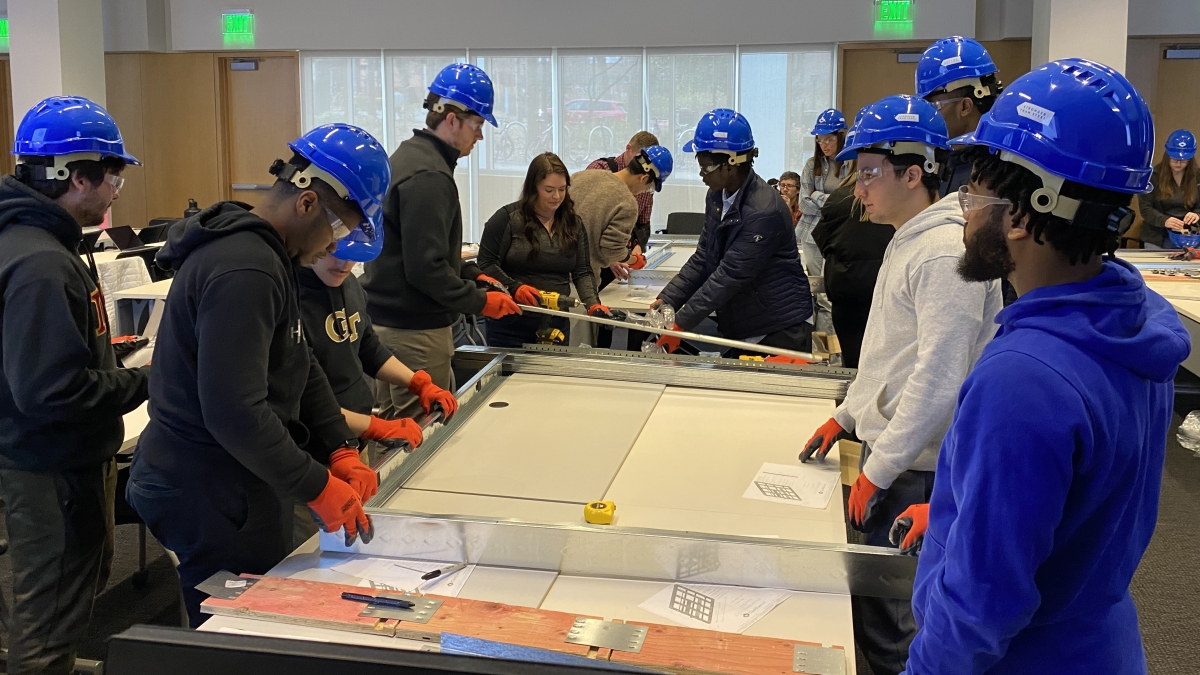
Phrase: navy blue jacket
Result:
[237,389]
[61,394]
[746,267]
[1047,486]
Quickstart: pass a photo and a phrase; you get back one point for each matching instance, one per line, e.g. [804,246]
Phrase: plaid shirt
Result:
[645,200]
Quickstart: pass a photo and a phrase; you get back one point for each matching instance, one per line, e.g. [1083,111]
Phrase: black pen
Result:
[445,570]
[384,602]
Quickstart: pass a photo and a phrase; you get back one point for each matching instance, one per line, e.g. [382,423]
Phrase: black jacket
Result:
[746,267]
[420,281]
[339,330]
[504,255]
[957,171]
[853,250]
[235,377]
[1155,212]
[62,394]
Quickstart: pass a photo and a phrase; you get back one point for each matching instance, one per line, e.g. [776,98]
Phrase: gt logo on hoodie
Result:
[97,301]
[340,329]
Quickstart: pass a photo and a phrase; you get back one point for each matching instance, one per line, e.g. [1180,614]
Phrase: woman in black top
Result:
[1171,204]
[537,243]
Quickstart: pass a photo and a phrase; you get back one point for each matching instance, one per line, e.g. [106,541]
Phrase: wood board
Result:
[674,648]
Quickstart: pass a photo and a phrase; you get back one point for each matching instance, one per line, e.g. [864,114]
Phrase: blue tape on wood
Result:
[469,646]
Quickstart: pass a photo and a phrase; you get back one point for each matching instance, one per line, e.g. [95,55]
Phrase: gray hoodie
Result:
[926,329]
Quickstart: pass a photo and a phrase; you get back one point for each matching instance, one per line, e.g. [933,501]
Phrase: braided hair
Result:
[1017,184]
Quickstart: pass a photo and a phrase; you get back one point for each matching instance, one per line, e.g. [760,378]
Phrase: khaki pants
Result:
[60,530]
[428,350]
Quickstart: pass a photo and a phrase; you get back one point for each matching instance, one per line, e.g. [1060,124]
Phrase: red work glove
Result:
[338,507]
[668,341]
[402,428]
[908,532]
[822,440]
[422,386]
[345,465]
[483,278]
[636,261]
[528,295]
[776,358]
[499,305]
[600,310]
[860,501]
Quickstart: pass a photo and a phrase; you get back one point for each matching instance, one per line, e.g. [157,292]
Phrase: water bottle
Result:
[192,209]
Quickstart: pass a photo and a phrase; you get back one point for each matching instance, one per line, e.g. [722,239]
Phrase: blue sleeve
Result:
[1001,488]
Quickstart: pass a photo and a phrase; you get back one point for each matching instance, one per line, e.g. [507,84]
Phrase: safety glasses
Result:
[942,103]
[971,202]
[705,170]
[866,176]
[116,182]
[340,230]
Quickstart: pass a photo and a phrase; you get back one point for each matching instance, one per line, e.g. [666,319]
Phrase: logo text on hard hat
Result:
[952,61]
[1035,112]
[908,117]
[720,134]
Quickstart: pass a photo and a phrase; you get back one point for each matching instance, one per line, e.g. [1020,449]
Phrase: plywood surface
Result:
[557,438]
[699,451]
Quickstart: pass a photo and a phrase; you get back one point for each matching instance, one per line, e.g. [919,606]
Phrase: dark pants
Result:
[232,522]
[796,338]
[884,627]
[519,329]
[851,327]
[59,533]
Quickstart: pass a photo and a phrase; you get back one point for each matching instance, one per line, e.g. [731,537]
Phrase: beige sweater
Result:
[609,213]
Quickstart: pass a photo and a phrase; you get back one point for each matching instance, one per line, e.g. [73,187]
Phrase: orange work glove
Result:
[636,261]
[908,532]
[499,305]
[422,386]
[670,342]
[339,507]
[859,506]
[600,310]
[403,428]
[345,465]
[776,358]
[822,440]
[528,295]
[485,279]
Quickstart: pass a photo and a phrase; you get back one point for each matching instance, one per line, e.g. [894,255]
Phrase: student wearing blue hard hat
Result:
[745,269]
[237,392]
[821,175]
[1170,211]
[419,285]
[63,392]
[1048,481]
[926,328]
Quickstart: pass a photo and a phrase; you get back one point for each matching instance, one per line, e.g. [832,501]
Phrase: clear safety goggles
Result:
[866,176]
[942,103]
[116,182]
[972,202]
[340,230]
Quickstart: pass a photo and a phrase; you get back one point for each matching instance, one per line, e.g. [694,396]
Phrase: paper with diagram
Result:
[391,574]
[728,609]
[810,485]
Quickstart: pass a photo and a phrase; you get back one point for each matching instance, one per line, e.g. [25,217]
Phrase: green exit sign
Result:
[3,28]
[238,23]
[893,10]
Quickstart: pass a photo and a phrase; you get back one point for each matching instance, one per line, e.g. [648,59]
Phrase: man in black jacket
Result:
[419,285]
[62,394]
[745,267]
[238,391]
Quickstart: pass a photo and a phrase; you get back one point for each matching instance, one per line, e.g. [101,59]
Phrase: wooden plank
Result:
[677,647]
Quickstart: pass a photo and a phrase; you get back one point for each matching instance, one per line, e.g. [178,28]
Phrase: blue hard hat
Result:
[953,61]
[829,122]
[721,130]
[468,85]
[68,125]
[1075,119]
[901,124]
[660,163]
[1181,144]
[355,165]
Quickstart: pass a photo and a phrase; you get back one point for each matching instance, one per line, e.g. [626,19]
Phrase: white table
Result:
[133,303]
[135,422]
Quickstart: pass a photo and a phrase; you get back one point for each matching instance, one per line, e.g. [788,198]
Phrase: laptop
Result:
[124,237]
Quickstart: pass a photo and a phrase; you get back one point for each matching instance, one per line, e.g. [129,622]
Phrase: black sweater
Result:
[853,251]
[1155,211]
[62,394]
[504,255]
[237,389]
[419,281]
[339,330]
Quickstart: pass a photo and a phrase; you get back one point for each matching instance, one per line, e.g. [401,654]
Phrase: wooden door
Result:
[262,115]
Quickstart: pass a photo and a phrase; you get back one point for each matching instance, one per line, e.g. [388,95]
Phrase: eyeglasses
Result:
[116,182]
[942,103]
[867,176]
[972,202]
[339,229]
[786,186]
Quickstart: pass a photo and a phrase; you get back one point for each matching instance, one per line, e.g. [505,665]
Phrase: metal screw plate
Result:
[607,634]
[422,611]
[225,585]
[818,660]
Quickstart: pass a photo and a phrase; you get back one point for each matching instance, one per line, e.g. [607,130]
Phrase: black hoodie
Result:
[234,376]
[337,325]
[62,394]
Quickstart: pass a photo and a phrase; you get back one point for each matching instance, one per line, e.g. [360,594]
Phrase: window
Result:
[602,102]
[344,89]
[781,94]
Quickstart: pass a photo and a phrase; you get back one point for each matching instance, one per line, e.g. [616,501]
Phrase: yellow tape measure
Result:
[600,513]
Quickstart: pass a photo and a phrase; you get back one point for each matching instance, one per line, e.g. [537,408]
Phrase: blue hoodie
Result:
[1047,485]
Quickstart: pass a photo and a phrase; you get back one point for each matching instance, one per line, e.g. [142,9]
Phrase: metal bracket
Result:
[607,634]
[818,660]
[225,585]
[422,611]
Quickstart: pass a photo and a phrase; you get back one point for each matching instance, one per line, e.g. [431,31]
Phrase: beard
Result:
[987,257]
